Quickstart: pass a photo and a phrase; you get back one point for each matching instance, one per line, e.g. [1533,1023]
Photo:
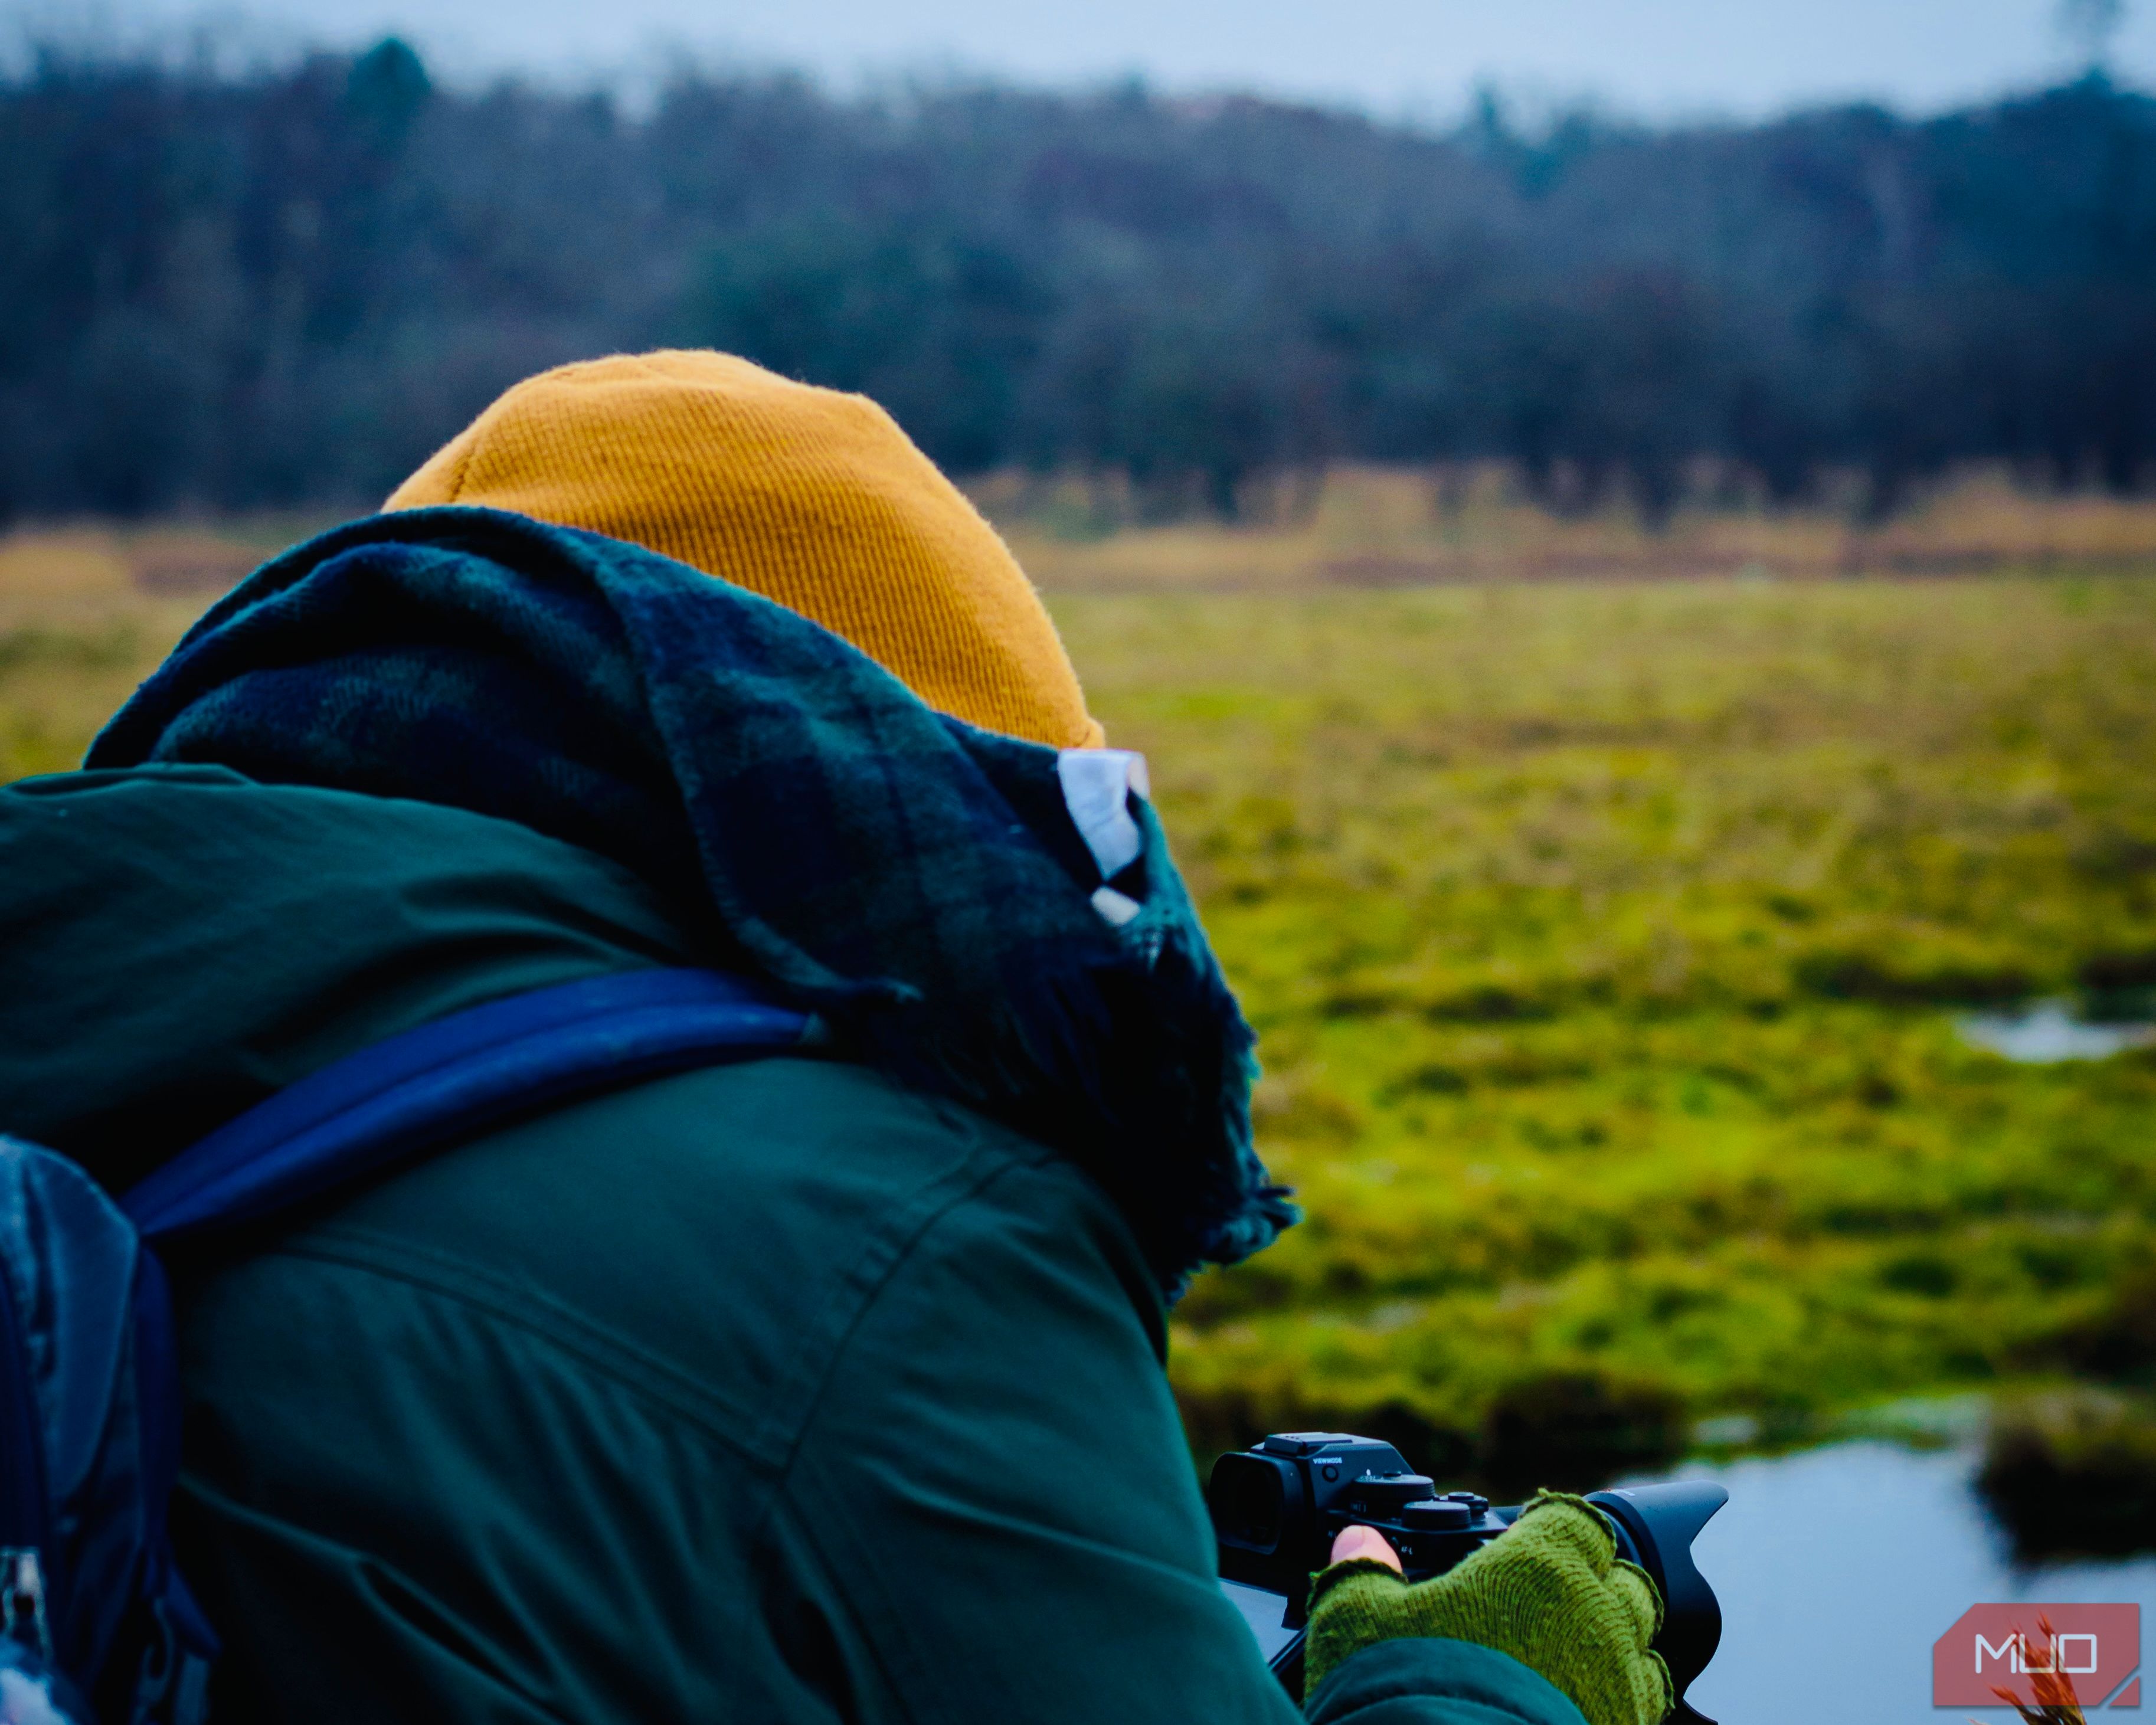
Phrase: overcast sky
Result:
[1659,59]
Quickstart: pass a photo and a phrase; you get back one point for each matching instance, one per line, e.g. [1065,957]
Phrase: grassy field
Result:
[1604,939]
[1382,527]
[84,614]
[1605,942]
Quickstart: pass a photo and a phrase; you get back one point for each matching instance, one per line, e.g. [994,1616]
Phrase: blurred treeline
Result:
[244,289]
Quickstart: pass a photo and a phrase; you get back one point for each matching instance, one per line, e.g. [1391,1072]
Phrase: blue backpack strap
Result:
[453,1078]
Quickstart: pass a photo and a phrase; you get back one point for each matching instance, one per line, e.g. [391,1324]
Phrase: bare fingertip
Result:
[1367,1543]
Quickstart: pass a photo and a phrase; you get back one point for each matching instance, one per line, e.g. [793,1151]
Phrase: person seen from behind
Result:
[820,1387]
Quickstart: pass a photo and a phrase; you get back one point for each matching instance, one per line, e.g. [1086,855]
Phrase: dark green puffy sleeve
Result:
[996,1498]
[995,1490]
[1412,1681]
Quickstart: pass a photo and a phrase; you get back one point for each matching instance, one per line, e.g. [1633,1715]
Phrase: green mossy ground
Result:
[1605,944]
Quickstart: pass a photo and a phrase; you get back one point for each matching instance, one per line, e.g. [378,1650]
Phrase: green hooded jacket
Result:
[765,1391]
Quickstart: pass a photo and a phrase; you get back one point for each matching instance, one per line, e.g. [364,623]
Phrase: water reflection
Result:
[2052,1030]
[1839,1568]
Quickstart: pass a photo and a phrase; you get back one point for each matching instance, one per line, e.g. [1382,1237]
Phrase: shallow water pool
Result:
[1837,1569]
[2050,1031]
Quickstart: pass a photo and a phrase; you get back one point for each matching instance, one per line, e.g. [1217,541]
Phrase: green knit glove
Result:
[1550,1591]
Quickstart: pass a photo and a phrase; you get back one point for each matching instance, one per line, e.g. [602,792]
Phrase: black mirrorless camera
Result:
[1277,1506]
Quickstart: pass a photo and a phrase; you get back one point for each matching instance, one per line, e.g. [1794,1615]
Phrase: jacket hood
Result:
[918,883]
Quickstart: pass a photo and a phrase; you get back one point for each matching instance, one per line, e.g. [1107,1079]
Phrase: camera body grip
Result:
[1278,1506]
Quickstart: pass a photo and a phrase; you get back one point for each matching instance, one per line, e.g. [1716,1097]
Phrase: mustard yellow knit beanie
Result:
[808,496]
